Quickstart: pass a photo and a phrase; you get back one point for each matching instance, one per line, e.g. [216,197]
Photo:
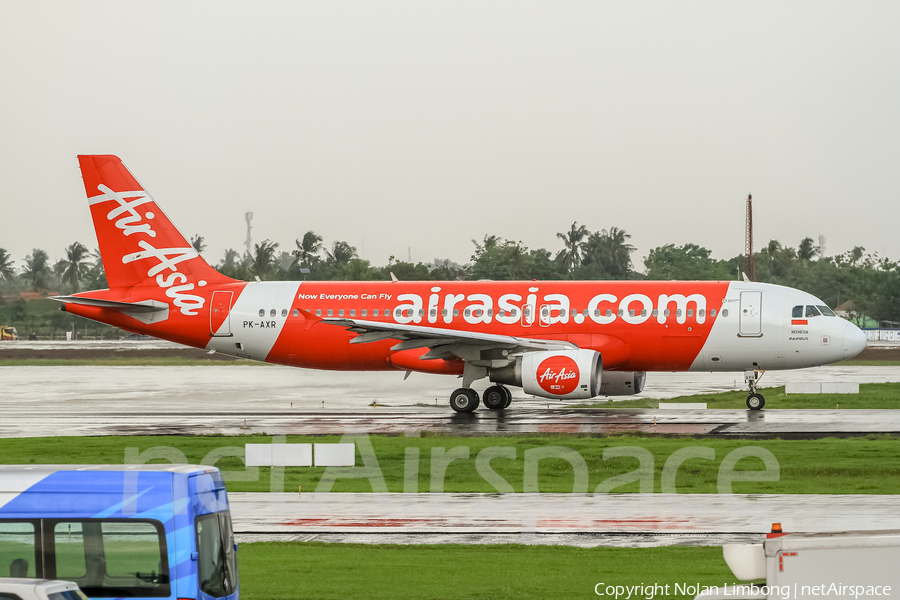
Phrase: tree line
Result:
[871,282]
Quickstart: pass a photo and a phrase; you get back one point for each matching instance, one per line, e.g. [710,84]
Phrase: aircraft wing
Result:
[444,343]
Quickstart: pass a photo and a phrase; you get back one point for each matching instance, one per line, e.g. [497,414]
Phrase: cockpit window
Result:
[812,311]
[797,313]
[826,311]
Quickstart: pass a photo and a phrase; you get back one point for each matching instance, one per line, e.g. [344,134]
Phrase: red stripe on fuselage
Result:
[647,345]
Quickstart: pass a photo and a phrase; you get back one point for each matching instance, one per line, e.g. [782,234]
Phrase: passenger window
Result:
[724,312]
[643,312]
[811,311]
[283,312]
[608,312]
[374,312]
[421,312]
[562,312]
[444,313]
[701,312]
[262,312]
[330,312]
[364,312]
[432,312]
[596,312]
[468,312]
[17,547]
[585,312]
[272,313]
[490,312]
[112,558]
[667,312]
[296,312]
[712,312]
[455,312]
[631,313]
[677,312]
[690,312]
[318,312]
[341,312]
[797,312]
[654,313]
[352,312]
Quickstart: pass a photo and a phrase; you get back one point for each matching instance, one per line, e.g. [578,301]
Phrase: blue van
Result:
[120,531]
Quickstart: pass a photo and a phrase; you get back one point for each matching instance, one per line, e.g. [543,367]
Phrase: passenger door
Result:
[751,314]
[219,314]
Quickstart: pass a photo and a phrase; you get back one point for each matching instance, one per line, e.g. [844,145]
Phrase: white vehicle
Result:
[17,588]
[852,564]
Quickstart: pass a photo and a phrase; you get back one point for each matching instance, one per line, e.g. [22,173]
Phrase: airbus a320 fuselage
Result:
[554,339]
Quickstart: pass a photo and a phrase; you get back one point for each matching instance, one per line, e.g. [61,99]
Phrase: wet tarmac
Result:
[633,520]
[97,400]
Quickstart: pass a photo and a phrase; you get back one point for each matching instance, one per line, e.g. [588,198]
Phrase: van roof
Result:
[169,468]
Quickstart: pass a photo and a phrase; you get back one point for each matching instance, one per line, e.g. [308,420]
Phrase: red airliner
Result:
[555,339]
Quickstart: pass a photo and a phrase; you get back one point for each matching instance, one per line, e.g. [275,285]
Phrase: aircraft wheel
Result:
[464,400]
[508,393]
[755,401]
[494,397]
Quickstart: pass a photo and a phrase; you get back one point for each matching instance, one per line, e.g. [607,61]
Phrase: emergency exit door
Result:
[751,314]
[219,314]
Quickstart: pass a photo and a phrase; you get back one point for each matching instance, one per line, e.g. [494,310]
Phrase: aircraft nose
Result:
[854,340]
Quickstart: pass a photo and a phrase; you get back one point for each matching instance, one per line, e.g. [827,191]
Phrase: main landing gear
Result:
[755,401]
[496,397]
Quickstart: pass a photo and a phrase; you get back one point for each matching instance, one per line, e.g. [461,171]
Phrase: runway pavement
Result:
[584,520]
[88,400]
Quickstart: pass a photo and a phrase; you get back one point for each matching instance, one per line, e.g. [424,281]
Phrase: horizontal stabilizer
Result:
[143,306]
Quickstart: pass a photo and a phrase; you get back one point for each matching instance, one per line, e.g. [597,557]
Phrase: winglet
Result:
[394,277]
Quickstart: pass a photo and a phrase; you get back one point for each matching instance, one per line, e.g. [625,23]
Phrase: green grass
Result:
[861,465]
[871,395]
[275,570]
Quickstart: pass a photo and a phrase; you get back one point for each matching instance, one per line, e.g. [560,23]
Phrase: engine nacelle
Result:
[571,374]
[622,383]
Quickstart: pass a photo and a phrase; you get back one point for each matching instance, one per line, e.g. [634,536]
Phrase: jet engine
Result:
[571,374]
[622,383]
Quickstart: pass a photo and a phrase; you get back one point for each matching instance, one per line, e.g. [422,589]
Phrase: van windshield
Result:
[216,564]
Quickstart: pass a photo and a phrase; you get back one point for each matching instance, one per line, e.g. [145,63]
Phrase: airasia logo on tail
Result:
[558,375]
[126,218]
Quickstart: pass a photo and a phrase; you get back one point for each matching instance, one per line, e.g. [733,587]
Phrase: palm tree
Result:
[7,270]
[74,266]
[570,256]
[197,243]
[341,253]
[36,269]
[619,251]
[610,252]
[516,261]
[263,259]
[308,249]
[807,250]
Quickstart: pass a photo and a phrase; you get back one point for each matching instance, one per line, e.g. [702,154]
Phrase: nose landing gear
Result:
[755,401]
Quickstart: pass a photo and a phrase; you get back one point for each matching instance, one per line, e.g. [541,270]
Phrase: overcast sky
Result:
[422,125]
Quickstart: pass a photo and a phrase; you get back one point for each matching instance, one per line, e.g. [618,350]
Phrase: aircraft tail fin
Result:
[138,243]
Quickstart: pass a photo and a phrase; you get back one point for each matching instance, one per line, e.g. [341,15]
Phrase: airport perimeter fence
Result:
[882,335]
